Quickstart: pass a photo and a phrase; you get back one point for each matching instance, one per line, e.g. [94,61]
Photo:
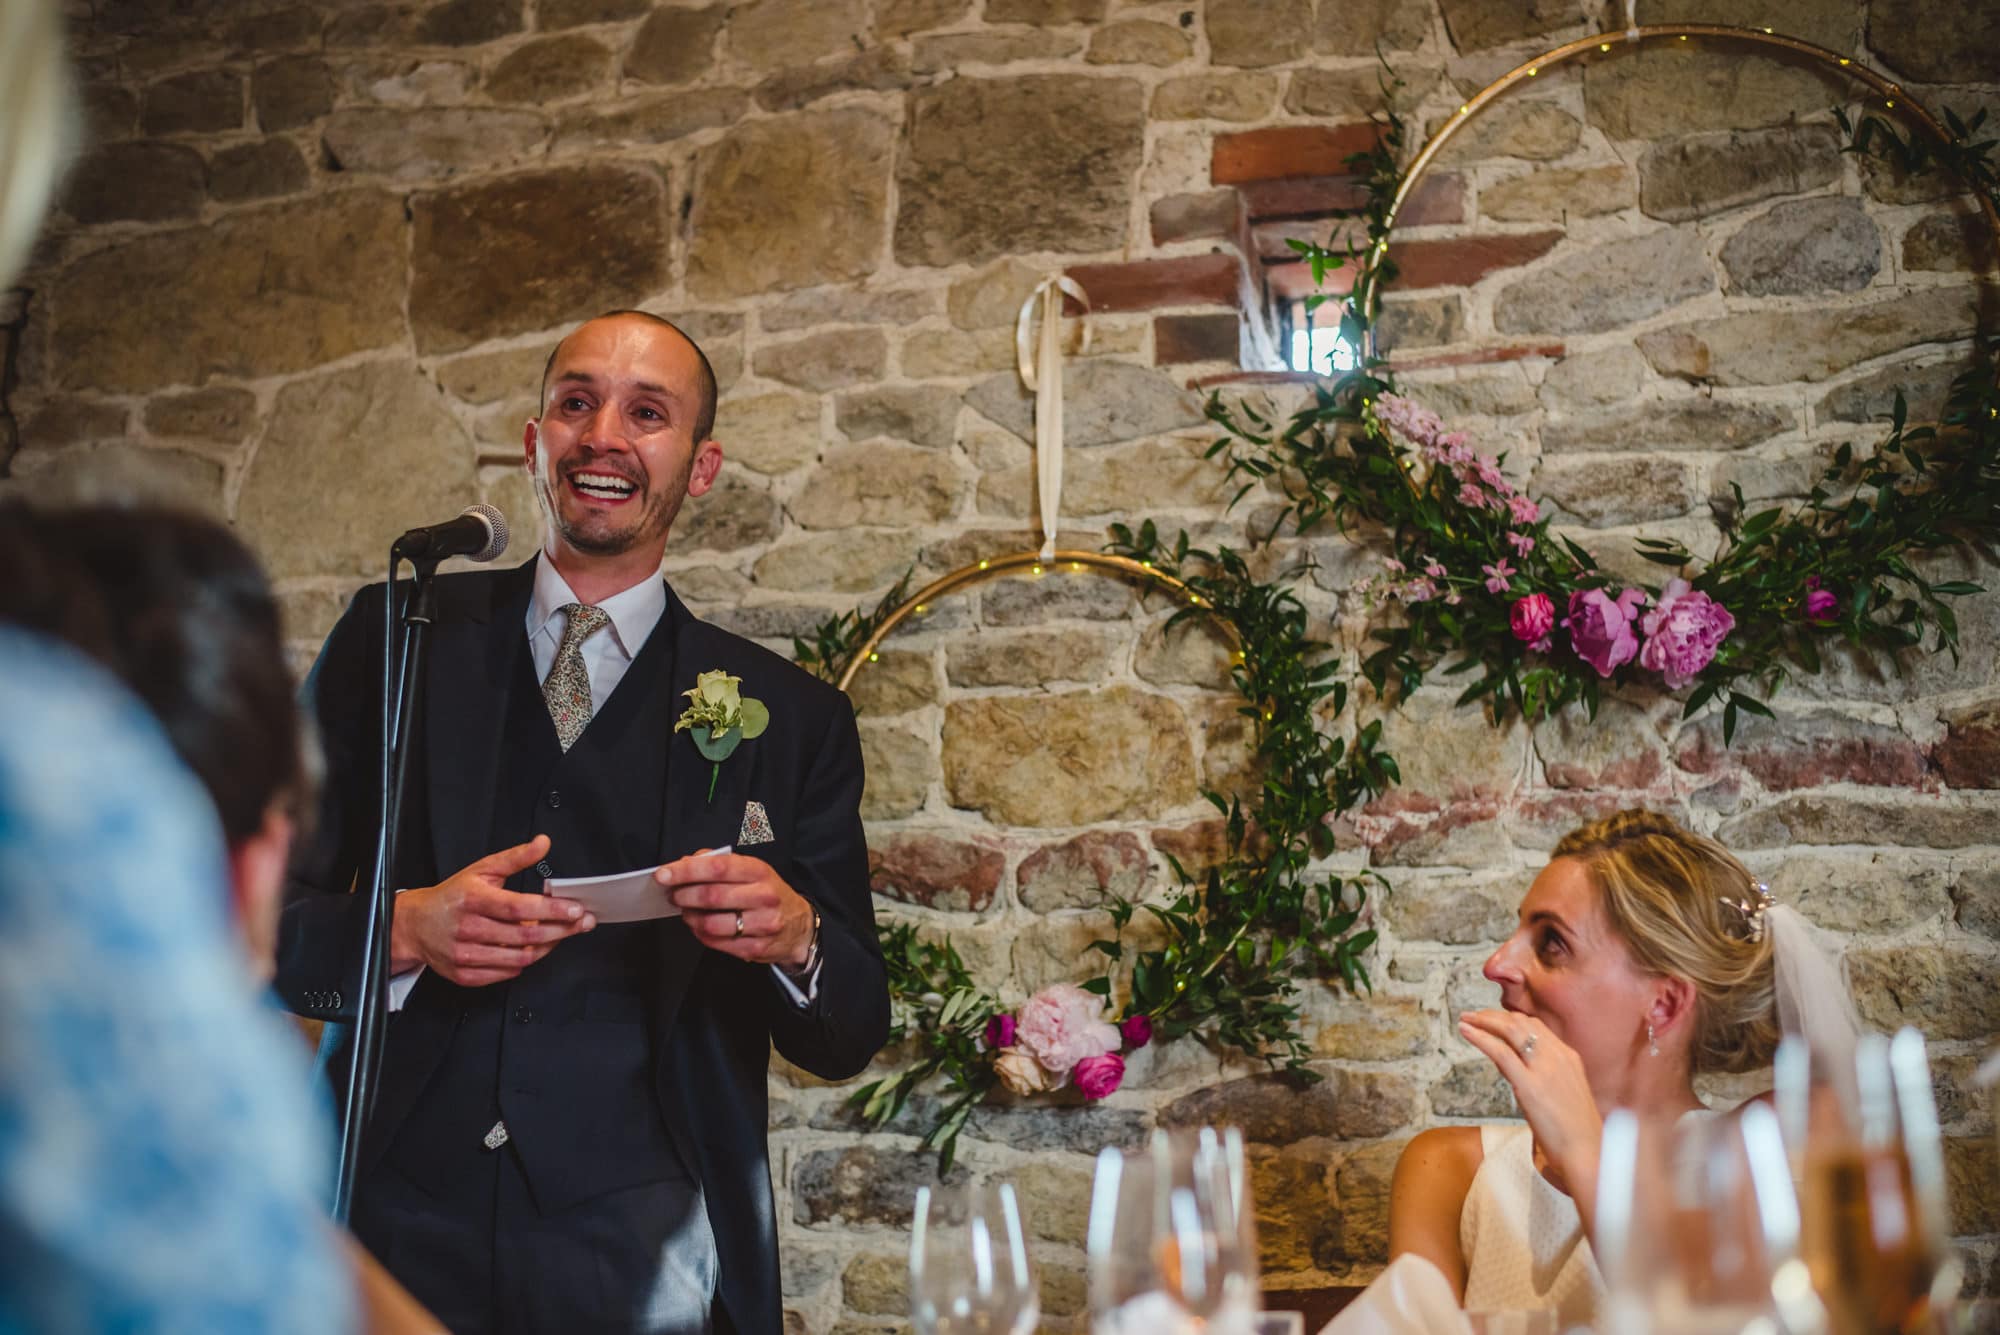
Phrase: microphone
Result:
[479,532]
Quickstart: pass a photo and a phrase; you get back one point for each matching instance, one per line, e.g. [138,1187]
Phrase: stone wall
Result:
[306,276]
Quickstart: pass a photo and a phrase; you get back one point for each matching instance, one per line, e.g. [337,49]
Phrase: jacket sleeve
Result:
[848,1021]
[323,921]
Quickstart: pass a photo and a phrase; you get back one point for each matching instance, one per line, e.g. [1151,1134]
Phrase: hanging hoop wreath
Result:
[1484,590]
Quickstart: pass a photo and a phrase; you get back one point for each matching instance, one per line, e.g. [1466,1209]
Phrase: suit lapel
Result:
[476,650]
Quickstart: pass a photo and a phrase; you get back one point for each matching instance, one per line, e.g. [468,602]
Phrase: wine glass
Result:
[1171,1241]
[969,1271]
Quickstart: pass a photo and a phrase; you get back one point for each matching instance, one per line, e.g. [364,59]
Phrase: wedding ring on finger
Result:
[739,924]
[1528,1048]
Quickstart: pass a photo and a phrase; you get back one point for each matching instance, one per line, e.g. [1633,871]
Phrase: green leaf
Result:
[717,749]
[755,718]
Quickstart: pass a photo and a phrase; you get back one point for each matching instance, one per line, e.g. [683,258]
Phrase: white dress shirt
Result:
[634,613]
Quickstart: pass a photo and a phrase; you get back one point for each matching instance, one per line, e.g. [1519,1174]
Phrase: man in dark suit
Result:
[570,1132]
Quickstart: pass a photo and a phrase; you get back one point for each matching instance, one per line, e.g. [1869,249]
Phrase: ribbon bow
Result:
[1039,359]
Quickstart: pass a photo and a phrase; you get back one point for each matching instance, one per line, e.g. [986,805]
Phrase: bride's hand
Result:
[1550,1087]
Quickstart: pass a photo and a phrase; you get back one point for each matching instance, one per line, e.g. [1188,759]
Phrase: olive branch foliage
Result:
[1226,953]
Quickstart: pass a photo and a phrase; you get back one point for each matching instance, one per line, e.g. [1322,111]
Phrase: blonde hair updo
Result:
[1673,896]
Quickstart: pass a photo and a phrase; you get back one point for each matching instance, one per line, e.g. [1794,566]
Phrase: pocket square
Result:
[756,825]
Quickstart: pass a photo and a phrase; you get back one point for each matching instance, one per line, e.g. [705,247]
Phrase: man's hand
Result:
[474,930]
[740,906]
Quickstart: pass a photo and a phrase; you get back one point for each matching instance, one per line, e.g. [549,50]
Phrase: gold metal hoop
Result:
[1031,562]
[1894,98]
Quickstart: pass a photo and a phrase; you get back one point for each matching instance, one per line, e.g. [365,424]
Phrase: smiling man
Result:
[570,1134]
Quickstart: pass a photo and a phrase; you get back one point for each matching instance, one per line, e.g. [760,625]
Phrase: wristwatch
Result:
[812,948]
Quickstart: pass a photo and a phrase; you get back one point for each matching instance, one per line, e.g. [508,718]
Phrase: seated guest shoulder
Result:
[1427,1196]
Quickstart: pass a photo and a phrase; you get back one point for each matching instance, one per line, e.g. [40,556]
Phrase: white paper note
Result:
[626,896]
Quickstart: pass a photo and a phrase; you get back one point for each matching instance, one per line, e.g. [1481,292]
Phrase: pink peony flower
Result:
[1021,1073]
[1523,510]
[1000,1032]
[1099,1076]
[1600,628]
[1523,544]
[1137,1031]
[1683,631]
[1062,1024]
[1497,575]
[1472,495]
[1821,605]
[1531,619]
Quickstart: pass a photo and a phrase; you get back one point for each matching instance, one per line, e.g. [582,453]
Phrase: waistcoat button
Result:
[555,798]
[523,1015]
[544,870]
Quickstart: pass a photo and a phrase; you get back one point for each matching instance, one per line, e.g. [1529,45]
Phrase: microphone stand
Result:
[399,707]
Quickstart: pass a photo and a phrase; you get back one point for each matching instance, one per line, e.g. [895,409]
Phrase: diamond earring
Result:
[1652,1044]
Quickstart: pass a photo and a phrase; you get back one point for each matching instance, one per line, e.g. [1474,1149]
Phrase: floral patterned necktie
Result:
[567,687]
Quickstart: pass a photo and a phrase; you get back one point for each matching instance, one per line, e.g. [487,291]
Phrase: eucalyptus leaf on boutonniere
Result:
[720,718]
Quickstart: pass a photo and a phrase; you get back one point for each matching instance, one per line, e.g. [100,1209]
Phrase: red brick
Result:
[1808,753]
[931,870]
[1292,150]
[1194,217]
[1196,338]
[1448,262]
[1190,280]
[1969,755]
[1438,198]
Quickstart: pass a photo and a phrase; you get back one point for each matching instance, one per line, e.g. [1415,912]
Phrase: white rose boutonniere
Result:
[720,718]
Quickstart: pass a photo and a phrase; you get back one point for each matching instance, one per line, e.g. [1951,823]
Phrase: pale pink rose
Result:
[1683,631]
[1097,1077]
[1600,628]
[1021,1073]
[1062,1024]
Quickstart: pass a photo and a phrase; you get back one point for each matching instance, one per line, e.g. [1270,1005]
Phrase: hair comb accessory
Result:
[1753,909]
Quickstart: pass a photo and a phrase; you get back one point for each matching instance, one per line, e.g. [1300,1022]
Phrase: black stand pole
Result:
[400,693]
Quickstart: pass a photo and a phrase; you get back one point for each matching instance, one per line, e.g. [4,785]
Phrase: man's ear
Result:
[707,464]
[530,437]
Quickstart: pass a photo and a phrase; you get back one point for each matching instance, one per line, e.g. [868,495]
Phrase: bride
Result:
[1646,955]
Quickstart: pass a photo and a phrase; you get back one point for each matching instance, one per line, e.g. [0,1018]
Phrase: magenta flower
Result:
[1000,1032]
[1138,1031]
[1523,510]
[1683,631]
[1600,628]
[1821,605]
[1531,619]
[1097,1077]
[1523,544]
[1497,575]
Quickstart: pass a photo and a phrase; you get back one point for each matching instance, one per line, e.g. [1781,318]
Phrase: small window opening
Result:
[1315,344]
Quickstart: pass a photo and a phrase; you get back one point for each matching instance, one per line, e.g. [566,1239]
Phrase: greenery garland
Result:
[1539,625]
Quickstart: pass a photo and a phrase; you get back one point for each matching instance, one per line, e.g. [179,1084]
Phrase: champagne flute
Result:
[1171,1241]
[969,1270]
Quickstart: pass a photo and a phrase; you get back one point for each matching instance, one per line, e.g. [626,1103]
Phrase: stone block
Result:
[1620,749]
[1557,193]
[429,143]
[1475,25]
[900,18]
[1639,489]
[863,1184]
[1068,759]
[551,15]
[877,1285]
[1299,1223]
[1139,42]
[1034,657]
[1535,130]
[675,45]
[1969,755]
[1814,819]
[956,875]
[528,277]
[1806,751]
[784,621]
[920,414]
[198,102]
[777,34]
[790,202]
[275,31]
[1452,262]
[262,292]
[1684,179]
[72,423]
[1834,24]
[823,362]
[900,767]
[399,81]
[1200,845]
[1215,279]
[1594,379]
[259,170]
[348,460]
[1346,94]
[290,92]
[1212,213]
[847,561]
[1616,283]
[1055,1198]
[1948,243]
[1777,347]
[1675,424]
[1665,90]
[135,182]
[991,297]
[1086,872]
[220,416]
[1804,246]
[1215,96]
[1460,834]
[1881,893]
[1935,40]
[468,22]
[734,514]
[896,681]
[1452,911]
[1284,151]
[1011,166]
[118,474]
[1496,392]
[1948,992]
[1419,322]
[1473,1089]
[878,69]
[1118,480]
[1257,32]
[659,118]
[1103,402]
[550,69]
[1367,27]
[1277,1110]
[1180,340]
[879,484]
[1972,1183]
[1975,898]
[773,433]
[952,52]
[1363,1181]
[494,377]
[803,310]
[1195,652]
[1369,1028]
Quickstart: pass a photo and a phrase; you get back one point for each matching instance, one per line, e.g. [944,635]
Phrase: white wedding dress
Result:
[1522,1239]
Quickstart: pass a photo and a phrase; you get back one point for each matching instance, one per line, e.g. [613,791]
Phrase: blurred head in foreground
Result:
[38,123]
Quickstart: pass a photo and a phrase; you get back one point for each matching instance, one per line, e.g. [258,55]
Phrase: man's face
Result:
[613,454]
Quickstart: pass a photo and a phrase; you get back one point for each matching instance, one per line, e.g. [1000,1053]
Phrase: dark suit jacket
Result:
[719,1016]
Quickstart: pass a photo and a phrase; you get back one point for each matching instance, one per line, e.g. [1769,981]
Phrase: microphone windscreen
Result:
[496,527]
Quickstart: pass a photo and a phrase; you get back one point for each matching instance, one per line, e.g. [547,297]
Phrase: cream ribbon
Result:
[1039,360]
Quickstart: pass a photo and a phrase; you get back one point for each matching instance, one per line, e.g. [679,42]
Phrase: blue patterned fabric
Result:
[160,1158]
